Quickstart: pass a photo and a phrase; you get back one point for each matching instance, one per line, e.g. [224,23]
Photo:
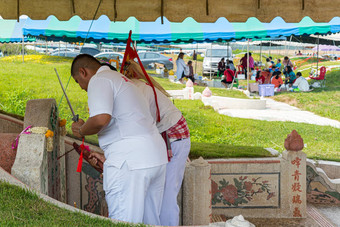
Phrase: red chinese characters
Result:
[297,162]
[296,199]
[296,175]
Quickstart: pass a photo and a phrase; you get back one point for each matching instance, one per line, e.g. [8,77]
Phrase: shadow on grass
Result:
[210,150]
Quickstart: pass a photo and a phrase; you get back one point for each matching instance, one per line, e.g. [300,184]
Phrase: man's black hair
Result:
[83,60]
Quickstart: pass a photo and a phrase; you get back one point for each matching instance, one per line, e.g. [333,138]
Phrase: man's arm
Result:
[93,125]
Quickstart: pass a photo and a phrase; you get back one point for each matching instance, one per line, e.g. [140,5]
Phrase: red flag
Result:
[131,53]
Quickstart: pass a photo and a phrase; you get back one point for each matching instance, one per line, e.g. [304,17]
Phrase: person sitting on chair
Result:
[228,77]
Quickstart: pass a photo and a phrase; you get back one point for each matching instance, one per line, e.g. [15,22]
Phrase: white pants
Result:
[134,195]
[174,177]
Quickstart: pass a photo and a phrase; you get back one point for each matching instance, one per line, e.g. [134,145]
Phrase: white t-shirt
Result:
[301,83]
[169,114]
[131,135]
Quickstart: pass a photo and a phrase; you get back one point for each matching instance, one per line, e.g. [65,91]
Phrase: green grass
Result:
[322,101]
[20,207]
[212,134]
[216,135]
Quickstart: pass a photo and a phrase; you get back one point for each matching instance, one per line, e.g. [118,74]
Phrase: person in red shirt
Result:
[228,77]
[259,77]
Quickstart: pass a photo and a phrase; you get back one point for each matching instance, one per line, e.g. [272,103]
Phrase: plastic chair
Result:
[321,77]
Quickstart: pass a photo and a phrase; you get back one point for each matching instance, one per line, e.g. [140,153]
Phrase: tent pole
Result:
[317,57]
[247,75]
[46,44]
[23,49]
[196,58]
[290,40]
[210,59]
[261,53]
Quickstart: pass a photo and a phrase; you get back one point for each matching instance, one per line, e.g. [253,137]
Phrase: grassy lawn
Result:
[322,101]
[213,135]
[20,207]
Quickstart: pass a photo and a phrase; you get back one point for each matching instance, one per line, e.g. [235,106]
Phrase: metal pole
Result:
[210,59]
[196,57]
[23,49]
[247,75]
[290,40]
[261,54]
[317,57]
[46,45]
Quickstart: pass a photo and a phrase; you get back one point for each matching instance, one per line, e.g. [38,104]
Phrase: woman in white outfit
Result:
[173,122]
[180,66]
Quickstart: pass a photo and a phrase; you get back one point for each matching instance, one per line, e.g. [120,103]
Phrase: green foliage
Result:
[21,207]
[14,49]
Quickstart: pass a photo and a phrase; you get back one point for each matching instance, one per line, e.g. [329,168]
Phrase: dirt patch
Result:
[289,100]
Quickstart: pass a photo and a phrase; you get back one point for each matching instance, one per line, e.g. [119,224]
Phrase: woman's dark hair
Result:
[279,60]
[286,58]
[189,62]
[222,59]
[258,74]
[299,74]
[289,69]
[276,74]
[267,60]
[109,65]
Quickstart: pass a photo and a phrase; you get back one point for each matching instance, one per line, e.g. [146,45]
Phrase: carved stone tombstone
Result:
[294,177]
[36,162]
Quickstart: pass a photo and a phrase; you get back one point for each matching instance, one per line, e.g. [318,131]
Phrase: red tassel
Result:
[80,161]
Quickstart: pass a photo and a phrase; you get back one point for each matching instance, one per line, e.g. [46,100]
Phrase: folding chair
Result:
[322,76]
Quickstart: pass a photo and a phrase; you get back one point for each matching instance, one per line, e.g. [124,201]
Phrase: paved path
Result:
[275,111]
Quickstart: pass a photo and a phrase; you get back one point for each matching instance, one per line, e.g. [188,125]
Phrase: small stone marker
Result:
[197,193]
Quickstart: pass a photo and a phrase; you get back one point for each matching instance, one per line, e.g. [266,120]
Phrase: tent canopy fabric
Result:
[326,48]
[103,30]
[11,31]
[174,10]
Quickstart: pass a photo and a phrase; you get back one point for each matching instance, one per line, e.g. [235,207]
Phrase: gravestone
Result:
[197,193]
[36,161]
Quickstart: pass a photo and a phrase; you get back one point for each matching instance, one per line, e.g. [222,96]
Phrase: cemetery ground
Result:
[20,207]
[213,135]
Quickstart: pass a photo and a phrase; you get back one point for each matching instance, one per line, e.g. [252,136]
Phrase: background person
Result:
[301,82]
[221,67]
[135,153]
[180,64]
[290,75]
[191,72]
[228,77]
[276,79]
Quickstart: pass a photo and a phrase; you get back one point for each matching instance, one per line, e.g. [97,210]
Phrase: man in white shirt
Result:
[135,153]
[301,82]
